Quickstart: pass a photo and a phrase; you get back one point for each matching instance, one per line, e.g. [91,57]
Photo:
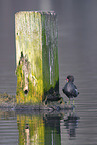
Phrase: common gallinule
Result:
[70,90]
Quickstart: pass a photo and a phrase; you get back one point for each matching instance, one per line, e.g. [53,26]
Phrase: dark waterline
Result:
[77,41]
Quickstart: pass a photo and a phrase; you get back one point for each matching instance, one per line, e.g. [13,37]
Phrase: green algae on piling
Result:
[36,55]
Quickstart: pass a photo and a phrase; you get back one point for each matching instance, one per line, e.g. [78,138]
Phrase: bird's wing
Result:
[65,89]
[75,91]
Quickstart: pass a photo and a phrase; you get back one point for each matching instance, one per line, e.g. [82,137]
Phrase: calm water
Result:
[77,28]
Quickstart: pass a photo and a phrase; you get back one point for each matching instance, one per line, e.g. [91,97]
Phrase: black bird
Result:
[70,90]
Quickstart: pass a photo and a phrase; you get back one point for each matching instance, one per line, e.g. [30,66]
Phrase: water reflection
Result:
[39,128]
[52,128]
[44,127]
[6,114]
[35,128]
[31,129]
[8,127]
[71,123]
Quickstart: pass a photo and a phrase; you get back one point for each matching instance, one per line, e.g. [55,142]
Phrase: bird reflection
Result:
[71,123]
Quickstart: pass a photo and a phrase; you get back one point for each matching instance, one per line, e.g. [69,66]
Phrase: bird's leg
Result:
[73,101]
[73,110]
[69,101]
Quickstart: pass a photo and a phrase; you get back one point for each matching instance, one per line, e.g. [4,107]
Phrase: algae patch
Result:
[36,56]
[28,86]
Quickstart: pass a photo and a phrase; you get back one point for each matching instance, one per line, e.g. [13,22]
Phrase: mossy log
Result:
[36,56]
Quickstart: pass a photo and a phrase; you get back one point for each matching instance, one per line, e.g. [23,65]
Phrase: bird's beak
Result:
[67,80]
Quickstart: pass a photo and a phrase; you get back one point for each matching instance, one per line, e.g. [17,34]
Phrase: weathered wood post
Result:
[36,56]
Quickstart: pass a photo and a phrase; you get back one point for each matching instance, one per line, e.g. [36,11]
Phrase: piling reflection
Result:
[44,128]
[6,114]
[31,129]
[71,123]
[52,128]
[39,129]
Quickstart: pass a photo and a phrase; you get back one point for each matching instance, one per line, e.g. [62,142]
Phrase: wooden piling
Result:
[36,56]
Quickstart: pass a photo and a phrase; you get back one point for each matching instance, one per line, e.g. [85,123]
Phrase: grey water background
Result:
[77,46]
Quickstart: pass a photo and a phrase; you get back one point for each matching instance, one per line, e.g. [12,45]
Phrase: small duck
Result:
[70,90]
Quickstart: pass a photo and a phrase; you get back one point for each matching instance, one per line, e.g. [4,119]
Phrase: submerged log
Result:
[36,56]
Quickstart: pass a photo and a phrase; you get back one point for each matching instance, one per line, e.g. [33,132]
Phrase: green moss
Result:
[36,55]
[35,91]
[49,54]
